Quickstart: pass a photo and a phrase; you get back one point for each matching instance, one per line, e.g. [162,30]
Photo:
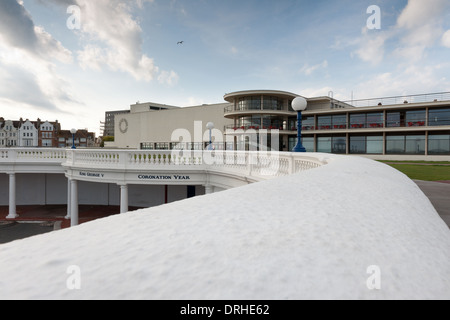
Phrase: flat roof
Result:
[276,93]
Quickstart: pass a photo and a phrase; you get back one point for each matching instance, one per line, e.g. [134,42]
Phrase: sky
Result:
[73,60]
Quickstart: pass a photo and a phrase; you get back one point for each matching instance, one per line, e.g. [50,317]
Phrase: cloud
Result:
[113,39]
[446,39]
[418,27]
[17,30]
[308,70]
[372,48]
[170,78]
[27,55]
[405,81]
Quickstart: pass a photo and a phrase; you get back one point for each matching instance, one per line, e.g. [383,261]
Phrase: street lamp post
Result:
[299,104]
[210,126]
[73,132]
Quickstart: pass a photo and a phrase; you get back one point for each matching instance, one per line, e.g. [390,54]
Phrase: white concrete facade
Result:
[158,126]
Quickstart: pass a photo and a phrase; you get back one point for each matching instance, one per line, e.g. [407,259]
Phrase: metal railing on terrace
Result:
[406,99]
[231,109]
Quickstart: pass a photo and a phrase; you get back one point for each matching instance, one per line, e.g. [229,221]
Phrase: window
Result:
[375,120]
[162,146]
[307,142]
[339,145]
[357,121]
[357,145]
[415,118]
[439,144]
[375,145]
[395,144]
[324,144]
[272,103]
[339,121]
[324,122]
[414,144]
[439,117]
[272,122]
[308,123]
[393,119]
[252,122]
[249,103]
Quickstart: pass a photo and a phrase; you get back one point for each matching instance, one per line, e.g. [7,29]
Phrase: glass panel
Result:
[249,103]
[357,121]
[308,143]
[272,122]
[324,144]
[339,121]
[393,119]
[415,118]
[395,144]
[415,144]
[307,123]
[339,145]
[251,122]
[292,124]
[375,120]
[439,117]
[324,122]
[439,144]
[375,145]
[357,145]
[272,103]
[292,142]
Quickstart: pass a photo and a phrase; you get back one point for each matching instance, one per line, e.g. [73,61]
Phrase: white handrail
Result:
[249,163]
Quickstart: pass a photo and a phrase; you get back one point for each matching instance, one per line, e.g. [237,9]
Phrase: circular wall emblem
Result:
[123,125]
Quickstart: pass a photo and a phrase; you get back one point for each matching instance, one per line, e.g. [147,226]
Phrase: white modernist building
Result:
[396,128]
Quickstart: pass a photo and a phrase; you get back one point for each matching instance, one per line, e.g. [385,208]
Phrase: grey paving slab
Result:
[439,195]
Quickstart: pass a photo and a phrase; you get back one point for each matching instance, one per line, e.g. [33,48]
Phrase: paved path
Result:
[439,195]
[15,231]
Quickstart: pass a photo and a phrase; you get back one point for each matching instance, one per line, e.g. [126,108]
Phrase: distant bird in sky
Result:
[180,42]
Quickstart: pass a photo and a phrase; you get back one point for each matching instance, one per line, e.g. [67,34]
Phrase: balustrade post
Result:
[291,164]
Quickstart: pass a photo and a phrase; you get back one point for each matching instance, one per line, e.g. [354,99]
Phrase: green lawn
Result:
[433,172]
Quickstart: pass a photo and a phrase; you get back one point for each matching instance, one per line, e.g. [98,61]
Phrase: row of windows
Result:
[261,103]
[412,118]
[438,144]
[5,134]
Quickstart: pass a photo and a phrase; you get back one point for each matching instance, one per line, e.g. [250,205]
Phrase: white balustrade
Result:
[262,165]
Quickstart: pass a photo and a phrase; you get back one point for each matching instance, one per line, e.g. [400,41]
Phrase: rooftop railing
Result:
[406,99]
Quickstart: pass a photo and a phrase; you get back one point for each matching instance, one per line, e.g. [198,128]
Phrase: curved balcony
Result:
[230,112]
